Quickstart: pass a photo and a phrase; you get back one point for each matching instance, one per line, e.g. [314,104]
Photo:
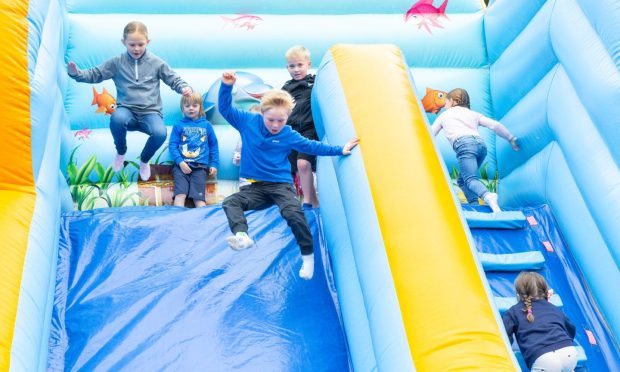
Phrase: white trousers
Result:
[560,360]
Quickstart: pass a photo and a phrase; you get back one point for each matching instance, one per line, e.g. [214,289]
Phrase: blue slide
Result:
[158,289]
[100,273]
[531,241]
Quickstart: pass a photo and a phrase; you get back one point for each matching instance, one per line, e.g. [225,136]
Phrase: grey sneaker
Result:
[240,241]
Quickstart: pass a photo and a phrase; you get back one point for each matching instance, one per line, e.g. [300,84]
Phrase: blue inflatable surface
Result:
[563,276]
[148,289]
[130,296]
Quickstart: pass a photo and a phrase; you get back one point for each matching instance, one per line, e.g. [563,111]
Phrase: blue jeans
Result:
[123,120]
[470,152]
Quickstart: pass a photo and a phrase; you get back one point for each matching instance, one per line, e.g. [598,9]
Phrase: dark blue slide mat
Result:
[563,276]
[157,288]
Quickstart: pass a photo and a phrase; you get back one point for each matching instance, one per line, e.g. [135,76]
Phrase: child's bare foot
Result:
[118,162]
[145,171]
[307,268]
[240,241]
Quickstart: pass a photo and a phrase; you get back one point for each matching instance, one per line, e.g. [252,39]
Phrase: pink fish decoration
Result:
[83,134]
[427,14]
[248,21]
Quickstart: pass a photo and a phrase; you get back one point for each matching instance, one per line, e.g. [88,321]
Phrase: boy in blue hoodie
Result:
[193,148]
[267,141]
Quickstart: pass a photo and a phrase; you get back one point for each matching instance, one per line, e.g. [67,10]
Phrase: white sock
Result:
[240,241]
[145,171]
[118,162]
[307,267]
[491,200]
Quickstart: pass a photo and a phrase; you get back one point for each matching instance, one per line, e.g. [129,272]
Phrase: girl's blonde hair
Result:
[530,286]
[297,51]
[135,26]
[277,98]
[460,97]
[193,98]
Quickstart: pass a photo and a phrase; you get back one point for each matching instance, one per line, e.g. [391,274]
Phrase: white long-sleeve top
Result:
[460,121]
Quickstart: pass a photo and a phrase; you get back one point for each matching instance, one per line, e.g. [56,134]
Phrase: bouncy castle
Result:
[100,273]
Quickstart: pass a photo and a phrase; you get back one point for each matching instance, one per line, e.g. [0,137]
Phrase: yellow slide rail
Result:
[448,319]
[17,191]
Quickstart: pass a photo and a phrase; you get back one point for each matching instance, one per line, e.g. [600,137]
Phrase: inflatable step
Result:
[504,303]
[533,260]
[501,220]
[581,357]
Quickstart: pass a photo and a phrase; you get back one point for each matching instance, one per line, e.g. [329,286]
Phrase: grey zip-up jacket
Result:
[136,80]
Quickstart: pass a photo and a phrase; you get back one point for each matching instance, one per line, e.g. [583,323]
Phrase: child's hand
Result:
[229,78]
[212,171]
[185,168]
[72,68]
[550,293]
[187,91]
[514,144]
[346,150]
[236,158]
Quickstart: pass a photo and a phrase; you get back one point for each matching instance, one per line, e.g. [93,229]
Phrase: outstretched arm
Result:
[237,118]
[72,68]
[436,127]
[174,80]
[500,130]
[308,146]
[93,75]
[346,150]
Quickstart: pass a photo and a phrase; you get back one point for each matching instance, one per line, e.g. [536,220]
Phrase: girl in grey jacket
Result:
[136,75]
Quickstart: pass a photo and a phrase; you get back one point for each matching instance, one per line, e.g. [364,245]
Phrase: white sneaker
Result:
[240,241]
[307,267]
[118,162]
[145,171]
[491,200]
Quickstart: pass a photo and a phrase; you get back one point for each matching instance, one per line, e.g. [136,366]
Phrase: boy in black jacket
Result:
[300,87]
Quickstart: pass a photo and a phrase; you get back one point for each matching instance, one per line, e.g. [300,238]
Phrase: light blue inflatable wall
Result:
[46,46]
[555,82]
[547,69]
[440,59]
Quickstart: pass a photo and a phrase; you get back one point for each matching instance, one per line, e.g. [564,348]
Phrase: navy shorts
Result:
[294,155]
[193,185]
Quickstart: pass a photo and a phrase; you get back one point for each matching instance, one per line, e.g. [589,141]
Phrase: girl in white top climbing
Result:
[460,125]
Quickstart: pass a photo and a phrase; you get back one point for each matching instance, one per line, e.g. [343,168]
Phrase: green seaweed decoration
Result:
[490,183]
[80,186]
[454,175]
[158,157]
[86,192]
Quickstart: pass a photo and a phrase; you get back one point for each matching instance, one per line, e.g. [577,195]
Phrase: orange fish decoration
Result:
[434,100]
[105,101]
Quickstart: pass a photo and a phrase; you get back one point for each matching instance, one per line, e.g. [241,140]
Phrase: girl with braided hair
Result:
[544,334]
